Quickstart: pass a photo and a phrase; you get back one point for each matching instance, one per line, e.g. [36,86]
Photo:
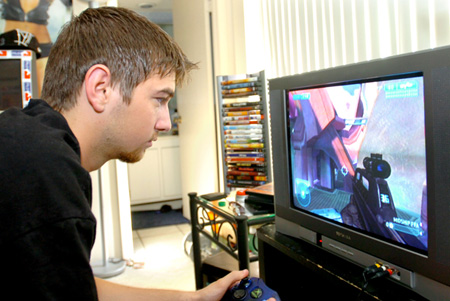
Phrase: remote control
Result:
[250,289]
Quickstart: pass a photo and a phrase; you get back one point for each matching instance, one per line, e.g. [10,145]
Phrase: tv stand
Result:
[294,267]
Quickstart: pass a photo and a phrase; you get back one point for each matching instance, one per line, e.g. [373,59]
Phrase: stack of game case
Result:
[244,137]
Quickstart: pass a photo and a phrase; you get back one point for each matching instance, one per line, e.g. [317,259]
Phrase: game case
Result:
[241,85]
[239,81]
[241,122]
[244,117]
[241,113]
[243,132]
[239,90]
[246,108]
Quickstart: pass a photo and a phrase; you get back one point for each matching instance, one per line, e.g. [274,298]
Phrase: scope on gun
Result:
[378,167]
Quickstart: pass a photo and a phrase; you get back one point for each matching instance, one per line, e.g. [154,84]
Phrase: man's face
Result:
[136,125]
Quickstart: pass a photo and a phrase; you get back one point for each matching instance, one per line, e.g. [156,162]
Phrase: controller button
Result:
[248,283]
[239,294]
[245,283]
[256,293]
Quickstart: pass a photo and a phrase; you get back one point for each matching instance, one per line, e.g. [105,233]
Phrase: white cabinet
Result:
[156,178]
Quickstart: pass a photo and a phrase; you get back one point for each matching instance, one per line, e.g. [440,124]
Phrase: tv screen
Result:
[361,164]
[357,156]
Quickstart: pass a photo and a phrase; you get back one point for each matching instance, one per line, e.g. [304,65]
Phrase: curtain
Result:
[297,36]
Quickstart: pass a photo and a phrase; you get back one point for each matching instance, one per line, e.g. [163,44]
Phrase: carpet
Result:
[159,218]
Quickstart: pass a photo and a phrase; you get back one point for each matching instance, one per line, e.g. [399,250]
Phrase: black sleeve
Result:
[51,263]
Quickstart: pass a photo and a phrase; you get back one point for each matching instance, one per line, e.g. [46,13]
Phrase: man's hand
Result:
[214,292]
[217,289]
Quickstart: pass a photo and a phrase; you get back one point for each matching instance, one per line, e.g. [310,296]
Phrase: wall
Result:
[195,104]
[218,29]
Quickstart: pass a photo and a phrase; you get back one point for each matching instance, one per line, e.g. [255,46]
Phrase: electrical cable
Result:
[373,272]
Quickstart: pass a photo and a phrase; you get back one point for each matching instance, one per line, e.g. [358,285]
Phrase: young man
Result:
[108,81]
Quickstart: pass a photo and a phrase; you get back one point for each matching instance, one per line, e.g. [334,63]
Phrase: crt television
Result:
[361,164]
[18,80]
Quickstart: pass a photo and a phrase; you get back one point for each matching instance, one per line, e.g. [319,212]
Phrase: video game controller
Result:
[250,289]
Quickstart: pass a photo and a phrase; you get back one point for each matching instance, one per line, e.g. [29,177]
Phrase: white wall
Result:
[197,102]
[198,155]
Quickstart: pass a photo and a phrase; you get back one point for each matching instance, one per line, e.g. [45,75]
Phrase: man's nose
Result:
[164,124]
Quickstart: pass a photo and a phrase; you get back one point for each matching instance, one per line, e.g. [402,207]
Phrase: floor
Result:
[165,263]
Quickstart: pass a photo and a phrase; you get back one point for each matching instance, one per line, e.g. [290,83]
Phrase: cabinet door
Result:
[144,179]
[171,177]
[156,177]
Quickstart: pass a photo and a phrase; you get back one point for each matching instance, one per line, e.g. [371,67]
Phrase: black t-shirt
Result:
[47,228]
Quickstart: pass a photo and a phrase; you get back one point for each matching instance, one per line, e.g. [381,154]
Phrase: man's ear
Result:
[97,83]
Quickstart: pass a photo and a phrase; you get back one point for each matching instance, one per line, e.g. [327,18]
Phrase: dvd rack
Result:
[244,130]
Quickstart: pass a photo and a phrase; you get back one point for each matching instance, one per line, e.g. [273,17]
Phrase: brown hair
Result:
[132,47]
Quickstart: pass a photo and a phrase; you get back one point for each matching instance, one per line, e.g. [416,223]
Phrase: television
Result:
[18,79]
[361,164]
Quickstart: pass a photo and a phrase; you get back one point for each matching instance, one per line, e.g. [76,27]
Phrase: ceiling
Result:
[157,11]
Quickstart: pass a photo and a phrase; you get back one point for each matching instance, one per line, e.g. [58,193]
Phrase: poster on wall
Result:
[42,18]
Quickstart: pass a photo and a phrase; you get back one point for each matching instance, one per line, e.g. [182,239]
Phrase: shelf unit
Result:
[229,233]
[244,130]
